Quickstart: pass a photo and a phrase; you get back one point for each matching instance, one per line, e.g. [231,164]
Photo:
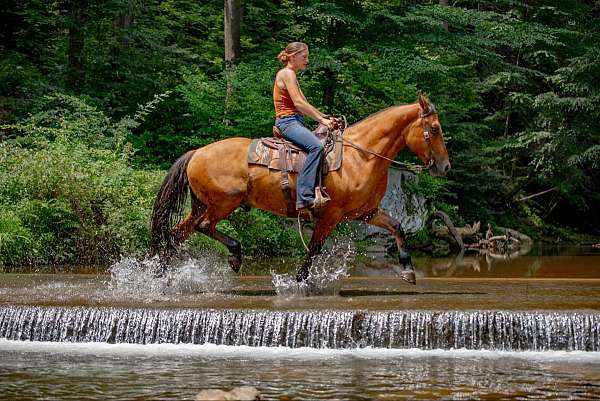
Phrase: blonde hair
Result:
[291,49]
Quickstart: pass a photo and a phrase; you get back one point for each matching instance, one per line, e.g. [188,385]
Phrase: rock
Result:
[406,207]
[244,393]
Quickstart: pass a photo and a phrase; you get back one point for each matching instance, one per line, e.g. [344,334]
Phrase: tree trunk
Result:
[76,43]
[120,35]
[445,23]
[231,30]
[233,19]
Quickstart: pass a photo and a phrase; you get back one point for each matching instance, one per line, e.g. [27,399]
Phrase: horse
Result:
[220,180]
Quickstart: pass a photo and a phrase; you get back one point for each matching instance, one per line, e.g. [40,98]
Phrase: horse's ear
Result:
[424,102]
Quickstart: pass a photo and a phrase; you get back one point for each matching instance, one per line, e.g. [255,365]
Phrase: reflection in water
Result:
[539,262]
[101,371]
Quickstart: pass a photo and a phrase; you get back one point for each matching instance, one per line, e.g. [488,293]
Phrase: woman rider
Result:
[290,108]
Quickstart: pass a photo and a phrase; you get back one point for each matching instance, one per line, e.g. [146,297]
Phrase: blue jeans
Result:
[293,129]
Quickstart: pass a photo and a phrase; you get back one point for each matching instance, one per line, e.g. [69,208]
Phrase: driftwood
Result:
[469,237]
[448,232]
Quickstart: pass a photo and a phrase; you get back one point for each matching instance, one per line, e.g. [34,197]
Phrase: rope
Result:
[300,232]
[409,166]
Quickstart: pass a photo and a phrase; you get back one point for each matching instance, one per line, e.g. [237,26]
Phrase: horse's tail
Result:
[169,205]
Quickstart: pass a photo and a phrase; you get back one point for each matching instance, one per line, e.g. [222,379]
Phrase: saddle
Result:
[278,154]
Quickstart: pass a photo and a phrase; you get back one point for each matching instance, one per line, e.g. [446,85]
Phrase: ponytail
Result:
[291,49]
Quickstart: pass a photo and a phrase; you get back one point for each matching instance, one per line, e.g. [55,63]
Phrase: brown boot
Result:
[321,198]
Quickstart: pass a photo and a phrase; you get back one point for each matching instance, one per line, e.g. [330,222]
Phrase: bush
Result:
[72,194]
[263,234]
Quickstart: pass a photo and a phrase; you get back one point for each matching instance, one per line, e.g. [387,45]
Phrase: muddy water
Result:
[545,282]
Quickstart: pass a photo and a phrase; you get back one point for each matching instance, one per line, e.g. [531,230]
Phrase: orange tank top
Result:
[284,105]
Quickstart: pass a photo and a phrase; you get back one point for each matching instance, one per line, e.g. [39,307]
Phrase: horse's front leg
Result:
[380,218]
[323,228]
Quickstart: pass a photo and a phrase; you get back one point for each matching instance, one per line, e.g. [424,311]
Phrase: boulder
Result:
[244,393]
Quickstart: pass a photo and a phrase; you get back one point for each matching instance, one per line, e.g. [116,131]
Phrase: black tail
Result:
[169,205]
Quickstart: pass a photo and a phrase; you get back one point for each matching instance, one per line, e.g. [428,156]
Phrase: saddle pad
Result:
[266,152]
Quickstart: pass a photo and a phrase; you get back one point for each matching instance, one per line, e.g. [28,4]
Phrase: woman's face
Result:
[299,61]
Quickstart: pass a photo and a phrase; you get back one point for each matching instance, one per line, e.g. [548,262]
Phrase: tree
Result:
[76,22]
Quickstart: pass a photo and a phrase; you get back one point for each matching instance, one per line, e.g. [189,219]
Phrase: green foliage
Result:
[73,195]
[516,84]
[263,234]
[15,239]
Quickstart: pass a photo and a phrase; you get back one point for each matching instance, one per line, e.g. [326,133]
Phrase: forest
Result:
[98,99]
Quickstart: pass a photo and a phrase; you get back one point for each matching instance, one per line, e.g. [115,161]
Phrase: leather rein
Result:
[426,135]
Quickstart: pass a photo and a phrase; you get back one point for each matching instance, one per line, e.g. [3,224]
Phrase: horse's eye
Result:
[434,129]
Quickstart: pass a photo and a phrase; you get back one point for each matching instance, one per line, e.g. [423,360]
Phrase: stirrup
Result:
[305,214]
[321,198]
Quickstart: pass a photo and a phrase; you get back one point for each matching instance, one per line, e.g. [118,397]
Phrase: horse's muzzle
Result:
[440,168]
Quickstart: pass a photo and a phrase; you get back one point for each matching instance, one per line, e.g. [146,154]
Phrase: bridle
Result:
[426,134]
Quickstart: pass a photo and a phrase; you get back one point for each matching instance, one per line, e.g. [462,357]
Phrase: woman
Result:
[290,108]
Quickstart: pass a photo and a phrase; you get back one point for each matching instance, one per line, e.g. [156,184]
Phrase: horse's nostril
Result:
[447,167]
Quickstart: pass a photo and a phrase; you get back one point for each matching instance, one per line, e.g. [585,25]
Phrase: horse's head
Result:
[426,140]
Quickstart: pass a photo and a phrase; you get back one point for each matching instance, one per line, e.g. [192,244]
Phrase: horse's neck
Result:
[385,133]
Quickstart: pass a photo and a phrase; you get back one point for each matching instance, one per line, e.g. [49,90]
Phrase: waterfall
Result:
[491,330]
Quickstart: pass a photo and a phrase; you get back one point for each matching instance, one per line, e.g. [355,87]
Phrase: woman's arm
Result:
[288,78]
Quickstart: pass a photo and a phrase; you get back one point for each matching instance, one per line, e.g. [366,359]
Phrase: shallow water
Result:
[561,280]
[102,371]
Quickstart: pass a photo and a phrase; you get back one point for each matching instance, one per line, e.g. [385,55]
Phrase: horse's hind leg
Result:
[234,246]
[380,218]
[188,225]
[208,224]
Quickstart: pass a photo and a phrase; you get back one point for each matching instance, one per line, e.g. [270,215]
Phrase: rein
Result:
[409,166]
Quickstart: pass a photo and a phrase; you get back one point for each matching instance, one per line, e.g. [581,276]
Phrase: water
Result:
[542,262]
[31,370]
[143,278]
[326,273]
[492,330]
[515,329]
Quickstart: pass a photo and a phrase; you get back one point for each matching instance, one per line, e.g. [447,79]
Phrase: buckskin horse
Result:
[220,180]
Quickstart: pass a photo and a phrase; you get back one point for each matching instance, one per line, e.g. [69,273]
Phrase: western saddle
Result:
[277,153]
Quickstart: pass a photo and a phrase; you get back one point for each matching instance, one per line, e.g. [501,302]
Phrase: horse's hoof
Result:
[408,276]
[159,273]
[235,264]
[301,275]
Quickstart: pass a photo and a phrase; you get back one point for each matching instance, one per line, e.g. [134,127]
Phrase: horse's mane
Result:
[371,116]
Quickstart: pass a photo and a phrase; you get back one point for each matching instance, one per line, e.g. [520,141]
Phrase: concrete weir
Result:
[478,314]
[490,330]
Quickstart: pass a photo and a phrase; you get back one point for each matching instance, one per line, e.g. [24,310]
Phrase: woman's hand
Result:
[330,122]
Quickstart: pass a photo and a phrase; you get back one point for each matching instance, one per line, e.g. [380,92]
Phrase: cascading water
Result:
[491,330]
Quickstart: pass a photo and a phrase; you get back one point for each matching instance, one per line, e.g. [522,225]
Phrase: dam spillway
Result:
[334,329]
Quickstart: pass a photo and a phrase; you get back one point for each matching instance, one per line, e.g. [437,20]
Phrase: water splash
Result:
[326,273]
[142,278]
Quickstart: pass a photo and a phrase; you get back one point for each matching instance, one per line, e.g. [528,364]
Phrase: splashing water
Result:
[140,278]
[326,273]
